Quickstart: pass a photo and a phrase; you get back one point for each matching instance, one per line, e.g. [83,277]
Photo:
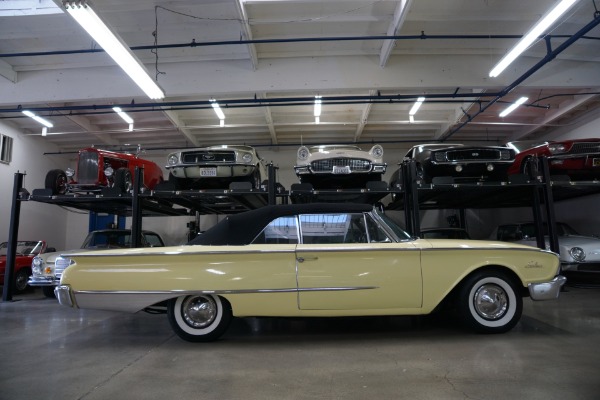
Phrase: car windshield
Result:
[400,233]
[24,248]
[562,229]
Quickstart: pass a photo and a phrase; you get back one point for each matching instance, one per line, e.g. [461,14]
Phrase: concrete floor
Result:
[52,352]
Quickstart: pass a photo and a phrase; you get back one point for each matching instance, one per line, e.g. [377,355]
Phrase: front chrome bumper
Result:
[43,281]
[546,290]
[63,295]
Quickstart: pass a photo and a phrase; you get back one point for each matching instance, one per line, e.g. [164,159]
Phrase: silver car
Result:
[577,252]
[215,167]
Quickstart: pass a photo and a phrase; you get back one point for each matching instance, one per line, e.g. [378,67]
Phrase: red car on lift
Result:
[577,158]
[26,250]
[98,168]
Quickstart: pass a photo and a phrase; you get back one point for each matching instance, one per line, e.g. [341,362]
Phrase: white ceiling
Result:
[389,73]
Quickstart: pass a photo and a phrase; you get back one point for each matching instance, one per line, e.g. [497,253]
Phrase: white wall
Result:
[38,221]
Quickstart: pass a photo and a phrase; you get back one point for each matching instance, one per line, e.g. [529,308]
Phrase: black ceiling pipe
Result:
[551,55]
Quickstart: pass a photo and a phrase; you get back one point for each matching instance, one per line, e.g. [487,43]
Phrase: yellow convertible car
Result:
[312,260]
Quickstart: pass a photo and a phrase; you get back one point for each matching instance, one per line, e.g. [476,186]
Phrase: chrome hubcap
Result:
[199,311]
[490,301]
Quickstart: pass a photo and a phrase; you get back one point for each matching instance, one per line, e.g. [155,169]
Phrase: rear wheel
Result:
[123,180]
[199,318]
[56,180]
[489,302]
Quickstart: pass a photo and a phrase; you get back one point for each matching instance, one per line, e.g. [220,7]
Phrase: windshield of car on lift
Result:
[400,233]
[562,229]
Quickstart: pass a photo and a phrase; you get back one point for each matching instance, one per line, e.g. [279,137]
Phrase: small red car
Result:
[98,168]
[26,250]
[577,158]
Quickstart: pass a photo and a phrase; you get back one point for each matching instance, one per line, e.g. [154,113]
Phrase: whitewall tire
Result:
[199,318]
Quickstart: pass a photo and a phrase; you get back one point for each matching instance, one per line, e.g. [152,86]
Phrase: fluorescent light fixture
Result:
[513,107]
[416,106]
[123,115]
[221,123]
[534,33]
[44,131]
[317,120]
[85,16]
[217,109]
[318,101]
[411,118]
[130,127]
[41,120]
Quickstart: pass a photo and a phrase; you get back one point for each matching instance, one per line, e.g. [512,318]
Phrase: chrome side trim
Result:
[239,291]
[166,253]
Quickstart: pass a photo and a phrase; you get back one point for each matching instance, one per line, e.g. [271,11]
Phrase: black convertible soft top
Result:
[241,229]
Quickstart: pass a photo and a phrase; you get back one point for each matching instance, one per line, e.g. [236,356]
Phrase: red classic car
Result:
[26,250]
[98,168]
[578,158]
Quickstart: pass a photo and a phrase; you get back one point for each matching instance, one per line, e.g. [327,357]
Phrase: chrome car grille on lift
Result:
[474,155]
[355,164]
[208,157]
[87,168]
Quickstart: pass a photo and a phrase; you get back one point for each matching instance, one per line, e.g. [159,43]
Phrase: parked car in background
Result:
[97,169]
[578,158]
[577,252]
[462,163]
[215,167]
[339,166]
[445,233]
[26,251]
[47,268]
[312,260]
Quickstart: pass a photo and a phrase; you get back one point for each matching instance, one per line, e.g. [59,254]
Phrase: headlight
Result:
[303,153]
[577,253]
[70,172]
[108,172]
[172,159]
[505,154]
[557,148]
[377,151]
[247,158]
[36,265]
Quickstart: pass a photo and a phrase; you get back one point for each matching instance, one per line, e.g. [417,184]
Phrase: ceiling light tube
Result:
[123,115]
[221,123]
[317,120]
[318,102]
[534,33]
[513,107]
[41,120]
[85,16]
[217,109]
[416,106]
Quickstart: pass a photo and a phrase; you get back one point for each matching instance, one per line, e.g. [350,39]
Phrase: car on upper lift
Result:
[339,166]
[97,169]
[216,167]
[464,164]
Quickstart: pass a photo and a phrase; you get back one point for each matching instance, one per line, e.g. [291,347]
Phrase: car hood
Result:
[340,153]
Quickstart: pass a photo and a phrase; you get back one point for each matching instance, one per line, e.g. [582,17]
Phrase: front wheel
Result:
[21,279]
[199,318]
[56,180]
[489,302]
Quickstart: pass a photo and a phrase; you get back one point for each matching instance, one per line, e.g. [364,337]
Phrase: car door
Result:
[346,262]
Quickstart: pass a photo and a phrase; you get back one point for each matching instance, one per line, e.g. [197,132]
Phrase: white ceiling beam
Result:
[364,117]
[269,119]
[7,71]
[247,33]
[90,128]
[393,29]
[175,118]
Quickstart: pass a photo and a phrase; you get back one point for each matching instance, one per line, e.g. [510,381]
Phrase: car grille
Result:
[87,168]
[587,147]
[60,265]
[355,164]
[208,157]
[473,155]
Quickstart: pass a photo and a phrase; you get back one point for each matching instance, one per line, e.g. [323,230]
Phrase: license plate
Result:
[341,170]
[208,172]
[596,162]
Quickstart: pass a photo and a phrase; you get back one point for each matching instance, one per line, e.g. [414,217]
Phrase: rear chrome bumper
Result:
[63,294]
[546,290]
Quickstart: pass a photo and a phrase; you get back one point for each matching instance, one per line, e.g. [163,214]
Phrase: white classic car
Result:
[215,167]
[312,260]
[577,252]
[47,268]
[339,166]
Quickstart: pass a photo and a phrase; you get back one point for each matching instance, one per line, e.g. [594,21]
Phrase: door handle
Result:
[302,259]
